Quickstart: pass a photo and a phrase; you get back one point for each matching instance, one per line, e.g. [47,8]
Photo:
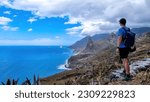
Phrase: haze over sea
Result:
[19,62]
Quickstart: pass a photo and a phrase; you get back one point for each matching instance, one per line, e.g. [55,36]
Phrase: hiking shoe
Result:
[123,73]
[127,78]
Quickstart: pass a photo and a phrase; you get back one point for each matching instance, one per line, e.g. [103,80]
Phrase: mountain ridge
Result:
[80,45]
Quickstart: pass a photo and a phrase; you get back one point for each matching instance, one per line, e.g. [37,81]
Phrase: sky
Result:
[63,22]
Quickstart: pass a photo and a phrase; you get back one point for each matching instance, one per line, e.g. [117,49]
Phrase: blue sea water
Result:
[19,62]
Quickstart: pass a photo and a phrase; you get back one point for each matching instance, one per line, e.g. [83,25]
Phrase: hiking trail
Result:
[135,67]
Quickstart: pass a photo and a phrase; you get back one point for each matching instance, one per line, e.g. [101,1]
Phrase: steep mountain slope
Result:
[81,44]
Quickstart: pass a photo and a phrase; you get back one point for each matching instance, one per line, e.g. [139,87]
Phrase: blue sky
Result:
[25,27]
[63,22]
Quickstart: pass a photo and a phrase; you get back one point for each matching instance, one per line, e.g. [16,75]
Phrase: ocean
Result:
[19,62]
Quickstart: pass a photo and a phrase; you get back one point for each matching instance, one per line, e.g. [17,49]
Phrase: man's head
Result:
[122,21]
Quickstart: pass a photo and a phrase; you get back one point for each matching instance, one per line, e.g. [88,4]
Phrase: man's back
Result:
[121,32]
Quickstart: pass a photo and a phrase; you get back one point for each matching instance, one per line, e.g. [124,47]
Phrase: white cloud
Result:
[14,15]
[5,20]
[74,30]
[57,37]
[32,20]
[5,3]
[38,41]
[8,28]
[95,16]
[7,12]
[30,30]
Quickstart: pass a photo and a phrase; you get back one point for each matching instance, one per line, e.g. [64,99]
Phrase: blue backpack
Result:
[129,38]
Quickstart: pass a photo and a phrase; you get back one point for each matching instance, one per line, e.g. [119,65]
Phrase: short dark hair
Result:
[122,21]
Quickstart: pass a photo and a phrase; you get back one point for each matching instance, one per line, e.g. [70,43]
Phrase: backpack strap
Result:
[126,29]
[125,32]
[124,37]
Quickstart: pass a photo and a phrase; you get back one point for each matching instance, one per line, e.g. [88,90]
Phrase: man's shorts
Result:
[123,52]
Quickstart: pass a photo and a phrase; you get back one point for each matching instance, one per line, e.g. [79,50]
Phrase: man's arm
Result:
[119,40]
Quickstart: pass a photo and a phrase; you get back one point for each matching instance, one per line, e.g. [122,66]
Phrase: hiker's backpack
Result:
[129,39]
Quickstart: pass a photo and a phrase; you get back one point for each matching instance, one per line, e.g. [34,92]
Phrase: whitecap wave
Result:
[63,67]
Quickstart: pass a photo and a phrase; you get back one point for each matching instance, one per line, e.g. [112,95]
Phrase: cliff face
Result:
[79,45]
[90,47]
[82,44]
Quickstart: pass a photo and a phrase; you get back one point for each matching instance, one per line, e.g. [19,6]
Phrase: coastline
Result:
[66,65]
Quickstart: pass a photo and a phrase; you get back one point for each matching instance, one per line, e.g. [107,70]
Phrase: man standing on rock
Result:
[122,49]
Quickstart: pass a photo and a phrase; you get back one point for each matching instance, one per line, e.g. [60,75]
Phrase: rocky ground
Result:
[98,68]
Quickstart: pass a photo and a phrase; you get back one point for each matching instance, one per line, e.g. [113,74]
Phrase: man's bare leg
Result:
[126,66]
